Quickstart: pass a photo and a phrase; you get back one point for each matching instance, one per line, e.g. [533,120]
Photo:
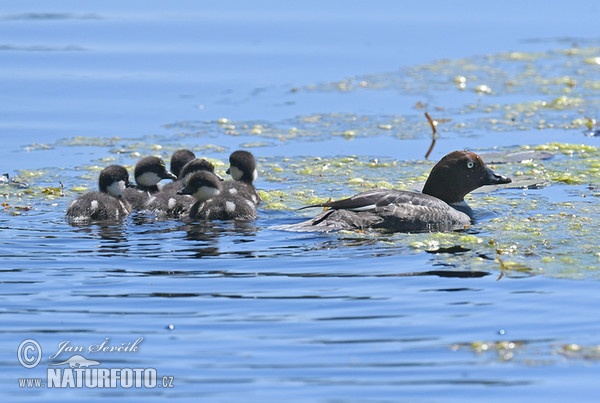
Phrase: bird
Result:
[212,203]
[242,168]
[439,207]
[148,172]
[105,204]
[167,202]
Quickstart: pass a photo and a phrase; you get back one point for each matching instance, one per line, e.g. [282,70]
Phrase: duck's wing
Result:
[402,197]
[372,200]
[423,216]
[364,201]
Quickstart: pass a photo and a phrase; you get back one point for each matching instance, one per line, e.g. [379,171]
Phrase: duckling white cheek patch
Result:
[206,193]
[148,179]
[116,188]
[236,173]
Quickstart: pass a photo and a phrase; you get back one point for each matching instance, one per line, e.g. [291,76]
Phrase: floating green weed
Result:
[553,230]
[88,141]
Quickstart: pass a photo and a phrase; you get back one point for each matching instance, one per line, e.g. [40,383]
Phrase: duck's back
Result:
[97,206]
[241,189]
[137,198]
[172,187]
[168,203]
[221,208]
[416,212]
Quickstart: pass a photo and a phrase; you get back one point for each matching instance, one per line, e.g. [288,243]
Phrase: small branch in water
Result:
[434,134]
[502,265]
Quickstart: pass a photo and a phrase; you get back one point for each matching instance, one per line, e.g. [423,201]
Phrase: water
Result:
[229,311]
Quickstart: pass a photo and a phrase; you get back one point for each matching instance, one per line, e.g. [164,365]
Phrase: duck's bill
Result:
[168,175]
[185,191]
[495,179]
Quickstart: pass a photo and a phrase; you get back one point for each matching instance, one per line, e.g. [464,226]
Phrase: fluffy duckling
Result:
[148,172]
[242,168]
[168,202]
[212,203]
[106,204]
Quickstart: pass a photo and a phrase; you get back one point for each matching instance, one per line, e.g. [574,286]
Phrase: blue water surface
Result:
[232,312]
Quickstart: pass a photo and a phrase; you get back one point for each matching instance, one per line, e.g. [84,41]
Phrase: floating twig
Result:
[502,265]
[434,134]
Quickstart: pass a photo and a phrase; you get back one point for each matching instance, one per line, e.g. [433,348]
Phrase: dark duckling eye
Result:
[470,164]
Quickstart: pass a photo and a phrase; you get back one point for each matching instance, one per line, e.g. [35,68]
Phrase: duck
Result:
[148,172]
[214,204]
[167,202]
[105,204]
[439,207]
[242,168]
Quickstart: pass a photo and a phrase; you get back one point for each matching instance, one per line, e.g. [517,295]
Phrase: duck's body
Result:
[148,172]
[97,206]
[241,189]
[440,207]
[220,208]
[106,204]
[212,203]
[392,210]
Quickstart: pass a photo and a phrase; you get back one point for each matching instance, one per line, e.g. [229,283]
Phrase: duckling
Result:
[212,203]
[167,202]
[148,172]
[107,204]
[242,168]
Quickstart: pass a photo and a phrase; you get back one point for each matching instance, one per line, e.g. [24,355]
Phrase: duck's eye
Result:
[470,164]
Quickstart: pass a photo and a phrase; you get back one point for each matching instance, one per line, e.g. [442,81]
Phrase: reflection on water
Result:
[112,237]
[142,234]
[204,235]
[332,315]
